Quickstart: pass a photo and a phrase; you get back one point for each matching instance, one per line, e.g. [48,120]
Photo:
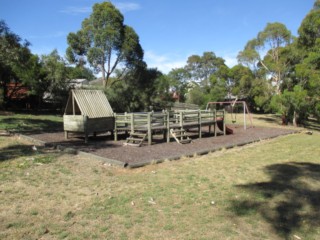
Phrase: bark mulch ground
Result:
[103,145]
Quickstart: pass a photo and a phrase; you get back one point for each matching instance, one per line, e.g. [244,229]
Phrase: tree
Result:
[80,72]
[196,95]
[308,69]
[219,82]
[293,105]
[241,81]
[17,64]
[55,78]
[309,31]
[105,42]
[179,81]
[201,67]
[137,92]
[272,39]
[249,56]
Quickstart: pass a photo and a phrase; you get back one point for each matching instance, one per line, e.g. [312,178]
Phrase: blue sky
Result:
[170,30]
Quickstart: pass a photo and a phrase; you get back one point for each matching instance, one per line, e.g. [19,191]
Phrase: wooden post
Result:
[199,123]
[149,128]
[215,123]
[181,122]
[73,107]
[244,116]
[115,132]
[85,124]
[66,135]
[210,124]
[168,126]
[132,122]
[224,123]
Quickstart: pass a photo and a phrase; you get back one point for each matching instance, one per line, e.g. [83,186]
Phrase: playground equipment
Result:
[87,112]
[233,115]
[175,124]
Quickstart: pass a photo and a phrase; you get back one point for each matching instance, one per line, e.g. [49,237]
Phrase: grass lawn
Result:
[24,123]
[267,190]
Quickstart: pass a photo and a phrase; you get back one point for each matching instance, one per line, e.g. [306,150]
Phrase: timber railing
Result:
[164,121]
[145,121]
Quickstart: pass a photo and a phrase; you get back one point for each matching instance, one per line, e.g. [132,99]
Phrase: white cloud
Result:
[164,63]
[230,61]
[230,58]
[53,35]
[127,6]
[45,50]
[76,10]
[122,6]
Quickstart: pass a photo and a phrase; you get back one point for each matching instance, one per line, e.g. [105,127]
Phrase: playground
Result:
[115,152]
[90,127]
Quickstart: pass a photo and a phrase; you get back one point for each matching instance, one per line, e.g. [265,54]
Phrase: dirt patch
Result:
[104,146]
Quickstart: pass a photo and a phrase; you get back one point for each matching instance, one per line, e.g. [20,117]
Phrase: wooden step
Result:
[136,134]
[132,144]
[135,139]
[178,130]
[184,141]
[180,136]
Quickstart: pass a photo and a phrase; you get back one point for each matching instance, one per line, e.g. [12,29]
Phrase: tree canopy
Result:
[105,42]
[277,72]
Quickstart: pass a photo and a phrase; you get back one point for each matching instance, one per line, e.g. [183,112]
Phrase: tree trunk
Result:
[295,119]
[103,77]
[284,119]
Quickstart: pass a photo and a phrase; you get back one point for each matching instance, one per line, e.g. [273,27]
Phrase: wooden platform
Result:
[155,122]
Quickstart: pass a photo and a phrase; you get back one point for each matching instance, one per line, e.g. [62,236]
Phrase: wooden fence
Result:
[151,122]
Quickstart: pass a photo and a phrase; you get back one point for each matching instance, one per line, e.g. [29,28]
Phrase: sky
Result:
[169,30]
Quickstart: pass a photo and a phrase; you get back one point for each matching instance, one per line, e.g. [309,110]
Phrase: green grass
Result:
[30,122]
[267,190]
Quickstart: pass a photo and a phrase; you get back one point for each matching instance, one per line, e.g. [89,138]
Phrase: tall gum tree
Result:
[269,42]
[105,42]
[308,70]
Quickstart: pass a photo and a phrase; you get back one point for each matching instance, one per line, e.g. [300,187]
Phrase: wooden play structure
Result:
[87,112]
[142,126]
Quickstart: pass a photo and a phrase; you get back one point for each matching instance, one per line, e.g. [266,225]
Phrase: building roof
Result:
[91,103]
[16,91]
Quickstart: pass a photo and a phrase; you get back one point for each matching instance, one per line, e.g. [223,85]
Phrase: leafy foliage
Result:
[105,42]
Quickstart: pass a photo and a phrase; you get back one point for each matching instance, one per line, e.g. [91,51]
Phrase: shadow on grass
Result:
[15,151]
[271,119]
[41,154]
[25,126]
[289,201]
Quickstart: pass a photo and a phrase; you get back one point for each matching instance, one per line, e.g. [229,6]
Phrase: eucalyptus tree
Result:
[179,78]
[264,51]
[300,95]
[105,42]
[308,70]
[202,67]
[54,84]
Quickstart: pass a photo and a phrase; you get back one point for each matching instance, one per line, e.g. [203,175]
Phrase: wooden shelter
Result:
[87,112]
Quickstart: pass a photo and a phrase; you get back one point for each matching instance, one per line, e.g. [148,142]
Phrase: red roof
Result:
[16,91]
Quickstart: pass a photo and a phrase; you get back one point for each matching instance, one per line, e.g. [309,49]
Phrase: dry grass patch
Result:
[267,190]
